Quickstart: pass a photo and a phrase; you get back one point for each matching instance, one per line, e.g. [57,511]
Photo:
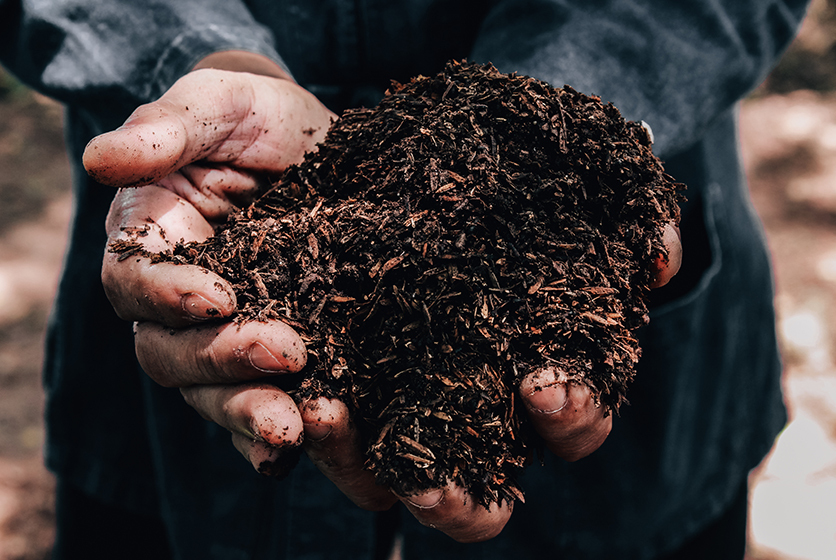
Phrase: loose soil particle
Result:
[472,228]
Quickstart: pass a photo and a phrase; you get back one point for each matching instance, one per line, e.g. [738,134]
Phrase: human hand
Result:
[198,151]
[220,366]
[564,414]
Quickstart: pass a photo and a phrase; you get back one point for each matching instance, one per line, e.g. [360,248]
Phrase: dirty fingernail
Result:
[262,359]
[317,431]
[426,500]
[198,306]
[547,400]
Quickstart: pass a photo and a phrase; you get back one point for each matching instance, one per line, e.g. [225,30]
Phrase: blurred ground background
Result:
[789,144]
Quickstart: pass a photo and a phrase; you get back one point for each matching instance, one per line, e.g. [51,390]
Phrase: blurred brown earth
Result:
[34,213]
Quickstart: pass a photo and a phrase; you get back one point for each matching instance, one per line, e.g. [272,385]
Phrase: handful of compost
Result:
[470,229]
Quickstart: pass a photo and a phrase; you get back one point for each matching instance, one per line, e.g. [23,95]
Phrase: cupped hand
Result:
[183,162]
[564,414]
[189,159]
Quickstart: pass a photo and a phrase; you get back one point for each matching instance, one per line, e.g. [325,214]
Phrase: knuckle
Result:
[156,351]
[208,363]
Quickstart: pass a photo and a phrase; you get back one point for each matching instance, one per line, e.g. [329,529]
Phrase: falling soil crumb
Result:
[472,228]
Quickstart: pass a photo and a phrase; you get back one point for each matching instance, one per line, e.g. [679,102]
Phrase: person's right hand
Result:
[185,161]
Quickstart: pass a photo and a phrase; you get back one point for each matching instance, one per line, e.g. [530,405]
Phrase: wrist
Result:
[243,61]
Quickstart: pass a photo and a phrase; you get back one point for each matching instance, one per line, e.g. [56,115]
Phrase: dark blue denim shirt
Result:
[706,404]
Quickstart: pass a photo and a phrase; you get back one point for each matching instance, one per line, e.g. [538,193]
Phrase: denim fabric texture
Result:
[706,405]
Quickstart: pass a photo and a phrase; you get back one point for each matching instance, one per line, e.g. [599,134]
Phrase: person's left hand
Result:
[564,414]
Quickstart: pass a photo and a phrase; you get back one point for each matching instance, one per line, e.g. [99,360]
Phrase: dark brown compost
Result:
[472,228]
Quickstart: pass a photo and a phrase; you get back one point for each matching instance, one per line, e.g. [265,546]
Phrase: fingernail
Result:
[198,306]
[317,431]
[426,500]
[547,400]
[262,359]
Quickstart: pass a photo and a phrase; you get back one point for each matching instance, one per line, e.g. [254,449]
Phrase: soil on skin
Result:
[472,228]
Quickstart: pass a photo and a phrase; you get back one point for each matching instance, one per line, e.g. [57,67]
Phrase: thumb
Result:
[158,139]
[253,122]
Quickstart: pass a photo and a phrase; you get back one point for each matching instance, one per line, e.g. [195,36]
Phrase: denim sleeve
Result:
[95,53]
[674,64]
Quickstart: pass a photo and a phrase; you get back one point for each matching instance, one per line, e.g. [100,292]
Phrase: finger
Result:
[454,512]
[253,122]
[164,216]
[668,265]
[257,411]
[215,191]
[217,353]
[333,445]
[171,294]
[264,421]
[565,414]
